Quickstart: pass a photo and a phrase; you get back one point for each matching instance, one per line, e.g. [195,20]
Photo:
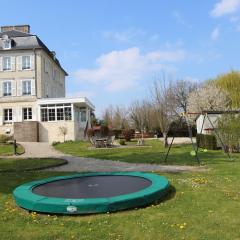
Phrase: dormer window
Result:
[6,44]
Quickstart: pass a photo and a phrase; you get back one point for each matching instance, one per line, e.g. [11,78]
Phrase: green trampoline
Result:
[91,192]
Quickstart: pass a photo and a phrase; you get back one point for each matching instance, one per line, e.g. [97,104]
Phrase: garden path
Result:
[82,164]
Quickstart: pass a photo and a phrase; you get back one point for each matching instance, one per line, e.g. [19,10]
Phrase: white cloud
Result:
[224,7]
[125,69]
[124,36]
[215,34]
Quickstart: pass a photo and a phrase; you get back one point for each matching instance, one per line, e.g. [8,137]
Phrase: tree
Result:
[208,98]
[230,82]
[116,117]
[229,129]
[181,91]
[138,114]
[63,131]
[108,115]
[164,104]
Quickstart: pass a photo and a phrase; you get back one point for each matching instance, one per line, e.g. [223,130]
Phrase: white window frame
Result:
[9,63]
[27,67]
[29,114]
[67,112]
[8,120]
[9,44]
[29,85]
[9,88]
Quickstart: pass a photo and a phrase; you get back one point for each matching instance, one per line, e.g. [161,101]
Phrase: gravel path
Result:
[81,164]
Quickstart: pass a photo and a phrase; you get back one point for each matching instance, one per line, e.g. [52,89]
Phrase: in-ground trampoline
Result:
[91,192]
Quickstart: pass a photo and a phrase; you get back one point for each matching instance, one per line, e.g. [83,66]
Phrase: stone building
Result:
[33,106]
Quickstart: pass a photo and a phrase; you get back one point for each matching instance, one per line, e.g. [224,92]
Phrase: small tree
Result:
[181,91]
[165,106]
[63,131]
[229,129]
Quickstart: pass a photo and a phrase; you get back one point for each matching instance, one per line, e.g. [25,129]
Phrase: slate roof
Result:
[23,41]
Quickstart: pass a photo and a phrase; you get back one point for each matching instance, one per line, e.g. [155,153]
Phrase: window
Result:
[6,63]
[44,115]
[51,114]
[26,62]
[56,112]
[8,115]
[54,74]
[27,113]
[83,116]
[26,87]
[46,65]
[7,44]
[68,113]
[7,88]
[60,115]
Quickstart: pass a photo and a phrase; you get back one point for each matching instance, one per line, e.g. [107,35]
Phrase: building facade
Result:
[33,106]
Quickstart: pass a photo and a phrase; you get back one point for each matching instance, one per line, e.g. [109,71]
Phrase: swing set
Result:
[195,146]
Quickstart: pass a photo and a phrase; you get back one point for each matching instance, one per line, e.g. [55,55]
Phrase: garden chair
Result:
[92,141]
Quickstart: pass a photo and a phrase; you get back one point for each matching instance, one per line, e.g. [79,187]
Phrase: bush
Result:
[104,130]
[90,133]
[127,134]
[116,132]
[55,143]
[122,142]
[5,138]
[207,141]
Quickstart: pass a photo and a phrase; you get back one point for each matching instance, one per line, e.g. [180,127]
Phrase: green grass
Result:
[205,204]
[7,149]
[19,165]
[154,152]
[200,206]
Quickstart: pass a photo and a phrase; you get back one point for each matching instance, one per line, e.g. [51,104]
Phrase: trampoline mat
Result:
[92,186]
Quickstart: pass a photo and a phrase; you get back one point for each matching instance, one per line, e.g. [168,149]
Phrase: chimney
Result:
[20,28]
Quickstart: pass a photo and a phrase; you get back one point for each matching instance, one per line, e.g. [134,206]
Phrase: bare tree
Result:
[108,115]
[63,131]
[139,114]
[165,106]
[208,97]
[181,91]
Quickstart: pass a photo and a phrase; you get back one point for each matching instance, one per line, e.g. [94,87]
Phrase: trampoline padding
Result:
[91,192]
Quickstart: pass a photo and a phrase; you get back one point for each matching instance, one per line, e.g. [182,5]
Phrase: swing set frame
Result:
[195,146]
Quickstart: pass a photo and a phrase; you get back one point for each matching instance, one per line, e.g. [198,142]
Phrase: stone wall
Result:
[26,131]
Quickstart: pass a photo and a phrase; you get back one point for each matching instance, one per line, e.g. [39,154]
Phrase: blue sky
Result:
[114,50]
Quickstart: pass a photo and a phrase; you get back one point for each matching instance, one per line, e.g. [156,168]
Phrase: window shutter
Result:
[33,92]
[1,67]
[1,88]
[13,84]
[13,63]
[19,114]
[1,117]
[19,87]
[14,115]
[19,63]
[32,62]
[34,114]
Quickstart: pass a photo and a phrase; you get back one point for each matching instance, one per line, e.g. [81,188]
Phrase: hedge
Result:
[207,141]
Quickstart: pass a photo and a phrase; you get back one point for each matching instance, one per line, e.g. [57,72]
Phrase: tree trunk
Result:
[165,140]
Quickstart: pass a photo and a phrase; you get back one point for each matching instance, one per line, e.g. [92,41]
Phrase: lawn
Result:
[200,206]
[7,149]
[18,165]
[154,152]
